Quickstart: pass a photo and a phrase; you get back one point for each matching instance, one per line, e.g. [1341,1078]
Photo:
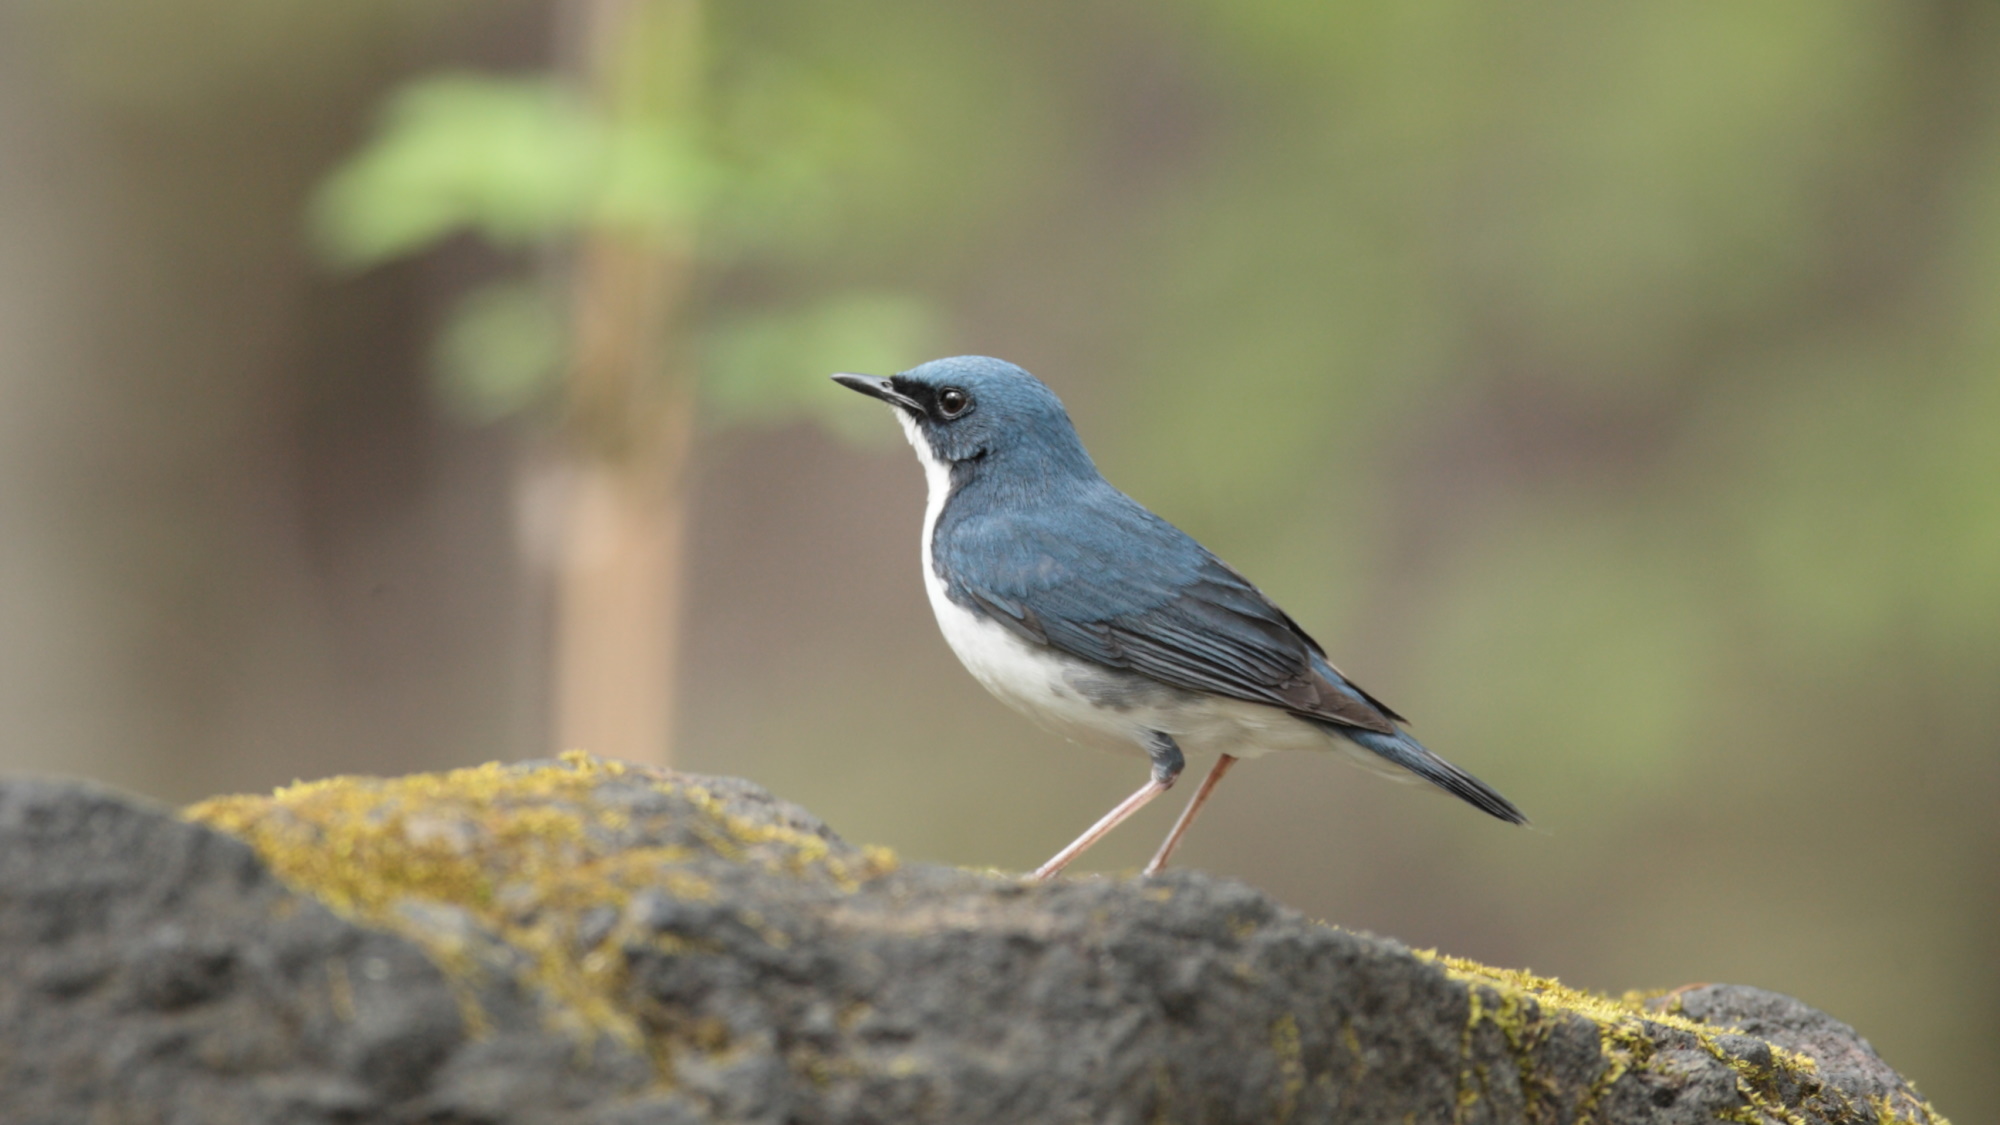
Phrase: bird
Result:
[1076,605]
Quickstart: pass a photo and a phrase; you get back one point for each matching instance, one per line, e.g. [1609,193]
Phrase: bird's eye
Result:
[953,402]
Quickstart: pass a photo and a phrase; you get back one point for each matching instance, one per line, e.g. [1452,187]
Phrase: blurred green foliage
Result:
[526,163]
[497,354]
[517,161]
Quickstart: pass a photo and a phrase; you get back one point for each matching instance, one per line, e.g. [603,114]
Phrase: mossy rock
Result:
[580,941]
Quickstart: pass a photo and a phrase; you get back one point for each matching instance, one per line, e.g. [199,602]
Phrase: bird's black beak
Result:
[874,386]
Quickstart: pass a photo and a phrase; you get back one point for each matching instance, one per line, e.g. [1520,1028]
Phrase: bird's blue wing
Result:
[1113,583]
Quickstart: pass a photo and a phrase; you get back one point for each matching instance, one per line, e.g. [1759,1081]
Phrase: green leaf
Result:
[501,350]
[654,177]
[515,159]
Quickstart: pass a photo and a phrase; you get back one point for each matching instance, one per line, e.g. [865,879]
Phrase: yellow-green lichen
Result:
[1520,1022]
[1888,1113]
[526,853]
[1286,1046]
[1525,1008]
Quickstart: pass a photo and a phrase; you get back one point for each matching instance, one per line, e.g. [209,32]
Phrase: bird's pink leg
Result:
[1222,765]
[1097,831]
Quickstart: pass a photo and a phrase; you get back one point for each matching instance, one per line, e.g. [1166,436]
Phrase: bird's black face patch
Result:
[948,415]
[938,404]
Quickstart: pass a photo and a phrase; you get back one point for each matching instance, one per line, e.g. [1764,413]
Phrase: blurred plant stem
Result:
[629,410]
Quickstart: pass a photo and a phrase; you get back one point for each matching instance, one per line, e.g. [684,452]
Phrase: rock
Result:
[585,942]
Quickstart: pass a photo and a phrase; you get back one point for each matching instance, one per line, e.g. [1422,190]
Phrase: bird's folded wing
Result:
[1180,616]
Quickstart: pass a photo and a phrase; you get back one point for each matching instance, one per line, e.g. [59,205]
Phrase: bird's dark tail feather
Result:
[1402,750]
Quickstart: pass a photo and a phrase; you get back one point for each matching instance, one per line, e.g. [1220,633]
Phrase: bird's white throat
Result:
[937,478]
[982,646]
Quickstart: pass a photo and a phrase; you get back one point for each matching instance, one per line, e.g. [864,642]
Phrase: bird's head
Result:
[973,408]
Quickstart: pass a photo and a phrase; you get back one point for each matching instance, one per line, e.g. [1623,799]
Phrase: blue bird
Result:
[1072,603]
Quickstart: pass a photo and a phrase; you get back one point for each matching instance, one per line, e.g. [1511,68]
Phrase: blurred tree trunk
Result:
[630,404]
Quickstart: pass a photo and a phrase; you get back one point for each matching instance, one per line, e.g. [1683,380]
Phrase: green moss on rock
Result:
[534,854]
[1776,1083]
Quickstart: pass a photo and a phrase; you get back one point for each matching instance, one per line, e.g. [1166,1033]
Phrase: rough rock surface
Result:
[582,942]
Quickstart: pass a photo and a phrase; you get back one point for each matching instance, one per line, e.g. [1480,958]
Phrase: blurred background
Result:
[1615,389]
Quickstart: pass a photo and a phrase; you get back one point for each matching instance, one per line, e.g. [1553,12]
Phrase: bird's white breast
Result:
[1067,694]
